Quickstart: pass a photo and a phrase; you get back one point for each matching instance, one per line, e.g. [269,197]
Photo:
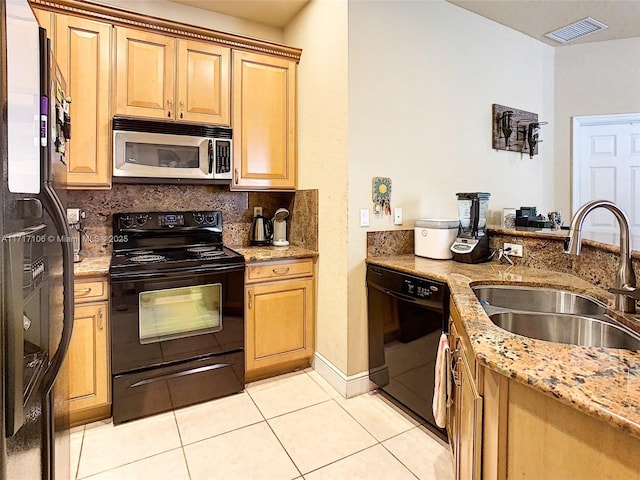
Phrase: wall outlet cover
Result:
[397,216]
[364,217]
[257,211]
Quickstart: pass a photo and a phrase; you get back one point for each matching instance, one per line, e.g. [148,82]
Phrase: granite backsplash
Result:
[236,207]
[596,264]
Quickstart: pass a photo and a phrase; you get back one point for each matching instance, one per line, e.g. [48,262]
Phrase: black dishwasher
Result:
[407,315]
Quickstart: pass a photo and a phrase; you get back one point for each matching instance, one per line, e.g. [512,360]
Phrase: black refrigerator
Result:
[36,256]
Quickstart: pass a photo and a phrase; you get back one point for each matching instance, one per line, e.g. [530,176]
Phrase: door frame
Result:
[586,121]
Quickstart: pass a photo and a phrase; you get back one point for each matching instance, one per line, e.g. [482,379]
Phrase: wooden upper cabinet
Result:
[145,69]
[203,82]
[168,78]
[46,20]
[83,53]
[264,122]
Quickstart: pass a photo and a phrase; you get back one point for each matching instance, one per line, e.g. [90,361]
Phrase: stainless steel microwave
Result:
[170,152]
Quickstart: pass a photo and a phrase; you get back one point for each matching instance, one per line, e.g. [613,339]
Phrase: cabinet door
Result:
[83,52]
[264,122]
[469,404]
[279,322]
[88,357]
[203,82]
[46,20]
[145,64]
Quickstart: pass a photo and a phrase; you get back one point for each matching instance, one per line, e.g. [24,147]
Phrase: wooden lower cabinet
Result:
[280,311]
[501,429]
[89,366]
[465,415]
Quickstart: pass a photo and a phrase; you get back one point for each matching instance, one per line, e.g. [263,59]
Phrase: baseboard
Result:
[347,386]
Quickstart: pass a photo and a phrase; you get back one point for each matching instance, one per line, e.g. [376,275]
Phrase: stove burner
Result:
[202,249]
[212,253]
[140,252]
[146,258]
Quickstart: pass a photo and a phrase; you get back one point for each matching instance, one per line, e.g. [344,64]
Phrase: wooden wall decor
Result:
[510,129]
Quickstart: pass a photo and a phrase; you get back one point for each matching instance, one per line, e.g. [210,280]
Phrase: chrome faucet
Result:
[625,281]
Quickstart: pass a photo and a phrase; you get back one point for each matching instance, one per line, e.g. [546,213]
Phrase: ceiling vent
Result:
[584,27]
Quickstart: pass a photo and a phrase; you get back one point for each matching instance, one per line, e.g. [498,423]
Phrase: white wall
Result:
[600,78]
[423,76]
[320,29]
[198,17]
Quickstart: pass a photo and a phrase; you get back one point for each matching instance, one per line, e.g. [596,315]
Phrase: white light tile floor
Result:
[290,427]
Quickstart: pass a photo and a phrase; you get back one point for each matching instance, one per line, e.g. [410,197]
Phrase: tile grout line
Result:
[184,454]
[84,429]
[274,434]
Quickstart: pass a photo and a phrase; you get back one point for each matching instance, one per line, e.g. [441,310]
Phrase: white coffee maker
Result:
[280,227]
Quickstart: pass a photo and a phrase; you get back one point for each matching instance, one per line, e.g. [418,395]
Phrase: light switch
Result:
[397,216]
[364,217]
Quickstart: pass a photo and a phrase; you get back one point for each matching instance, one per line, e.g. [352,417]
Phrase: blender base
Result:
[471,250]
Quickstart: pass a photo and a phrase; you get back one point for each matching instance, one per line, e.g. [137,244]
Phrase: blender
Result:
[472,243]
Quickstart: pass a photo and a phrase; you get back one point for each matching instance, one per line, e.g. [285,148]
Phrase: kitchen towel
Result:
[440,389]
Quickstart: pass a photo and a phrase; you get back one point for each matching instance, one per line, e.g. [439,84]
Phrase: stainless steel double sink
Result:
[554,315]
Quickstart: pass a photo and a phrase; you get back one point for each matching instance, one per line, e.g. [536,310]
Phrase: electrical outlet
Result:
[512,249]
[73,215]
[364,217]
[397,216]
[257,211]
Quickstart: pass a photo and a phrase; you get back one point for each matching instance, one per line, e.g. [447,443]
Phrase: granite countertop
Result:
[601,382]
[96,266]
[92,266]
[263,254]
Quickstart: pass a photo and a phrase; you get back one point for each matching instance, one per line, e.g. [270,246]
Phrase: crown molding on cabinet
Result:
[122,17]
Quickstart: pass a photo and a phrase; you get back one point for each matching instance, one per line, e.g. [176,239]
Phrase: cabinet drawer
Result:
[278,270]
[90,290]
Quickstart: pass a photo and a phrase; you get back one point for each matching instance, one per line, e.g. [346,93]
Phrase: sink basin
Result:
[536,299]
[572,329]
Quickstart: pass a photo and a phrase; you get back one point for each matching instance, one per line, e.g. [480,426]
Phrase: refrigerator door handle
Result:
[57,212]
[14,303]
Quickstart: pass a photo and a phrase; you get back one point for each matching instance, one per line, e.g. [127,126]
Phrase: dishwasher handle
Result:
[399,296]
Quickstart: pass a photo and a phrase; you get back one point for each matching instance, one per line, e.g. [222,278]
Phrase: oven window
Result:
[171,156]
[180,312]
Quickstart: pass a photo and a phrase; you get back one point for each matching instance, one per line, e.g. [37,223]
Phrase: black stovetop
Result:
[169,241]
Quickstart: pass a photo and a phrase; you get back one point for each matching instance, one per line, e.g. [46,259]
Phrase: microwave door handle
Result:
[210,157]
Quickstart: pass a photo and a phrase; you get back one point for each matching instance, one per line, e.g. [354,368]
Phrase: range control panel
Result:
[124,222]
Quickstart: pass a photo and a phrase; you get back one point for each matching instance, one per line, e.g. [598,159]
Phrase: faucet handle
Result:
[626,290]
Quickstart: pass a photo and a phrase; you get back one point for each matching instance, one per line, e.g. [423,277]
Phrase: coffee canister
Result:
[434,237]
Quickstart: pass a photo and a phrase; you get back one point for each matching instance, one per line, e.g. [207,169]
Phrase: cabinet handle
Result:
[169,108]
[181,109]
[236,170]
[281,270]
[250,298]
[455,361]
[100,319]
[83,292]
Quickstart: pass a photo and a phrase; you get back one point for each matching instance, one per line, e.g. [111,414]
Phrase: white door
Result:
[607,167]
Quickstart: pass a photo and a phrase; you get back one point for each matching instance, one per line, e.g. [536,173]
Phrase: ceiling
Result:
[531,17]
[537,17]
[276,13]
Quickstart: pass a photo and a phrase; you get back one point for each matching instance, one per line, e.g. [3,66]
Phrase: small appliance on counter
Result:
[261,232]
[528,217]
[280,227]
[472,243]
[433,237]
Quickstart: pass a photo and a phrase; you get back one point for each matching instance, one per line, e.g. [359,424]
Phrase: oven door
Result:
[167,318]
